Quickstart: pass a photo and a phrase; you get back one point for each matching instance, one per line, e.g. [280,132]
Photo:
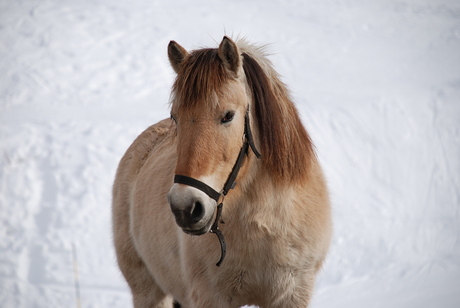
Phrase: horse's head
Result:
[209,104]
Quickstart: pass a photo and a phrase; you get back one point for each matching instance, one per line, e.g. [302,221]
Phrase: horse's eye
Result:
[174,119]
[228,117]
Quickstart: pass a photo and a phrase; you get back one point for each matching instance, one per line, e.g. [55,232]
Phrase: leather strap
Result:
[182,179]
[248,134]
[230,184]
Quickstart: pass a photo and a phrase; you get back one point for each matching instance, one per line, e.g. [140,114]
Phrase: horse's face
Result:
[209,136]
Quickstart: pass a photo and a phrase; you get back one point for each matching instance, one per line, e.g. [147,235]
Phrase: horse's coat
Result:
[277,219]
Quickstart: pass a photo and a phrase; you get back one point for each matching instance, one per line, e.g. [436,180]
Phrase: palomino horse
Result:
[274,226]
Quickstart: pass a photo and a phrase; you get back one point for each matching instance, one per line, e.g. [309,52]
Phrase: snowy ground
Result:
[377,84]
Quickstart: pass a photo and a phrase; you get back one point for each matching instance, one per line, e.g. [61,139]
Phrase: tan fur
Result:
[277,224]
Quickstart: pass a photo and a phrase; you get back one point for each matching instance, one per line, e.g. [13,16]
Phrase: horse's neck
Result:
[265,202]
[257,222]
[262,203]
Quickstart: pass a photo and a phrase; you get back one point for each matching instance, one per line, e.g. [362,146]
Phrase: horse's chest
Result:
[255,285]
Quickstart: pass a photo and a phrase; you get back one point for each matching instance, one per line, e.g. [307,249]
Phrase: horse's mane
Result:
[285,144]
[286,147]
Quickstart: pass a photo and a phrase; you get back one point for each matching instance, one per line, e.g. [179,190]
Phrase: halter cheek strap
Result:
[229,184]
[248,134]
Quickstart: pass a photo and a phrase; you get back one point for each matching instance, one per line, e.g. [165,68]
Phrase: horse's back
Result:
[140,149]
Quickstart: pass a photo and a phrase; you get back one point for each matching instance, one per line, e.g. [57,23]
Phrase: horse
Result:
[231,177]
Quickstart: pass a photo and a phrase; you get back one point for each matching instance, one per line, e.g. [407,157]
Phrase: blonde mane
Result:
[285,144]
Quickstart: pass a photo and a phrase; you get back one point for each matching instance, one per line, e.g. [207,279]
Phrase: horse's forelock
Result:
[201,76]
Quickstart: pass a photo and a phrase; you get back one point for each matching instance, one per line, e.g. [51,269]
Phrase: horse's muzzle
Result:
[192,209]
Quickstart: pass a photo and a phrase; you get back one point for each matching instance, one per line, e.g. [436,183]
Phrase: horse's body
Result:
[277,219]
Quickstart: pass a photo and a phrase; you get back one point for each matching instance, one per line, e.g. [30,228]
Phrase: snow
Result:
[378,87]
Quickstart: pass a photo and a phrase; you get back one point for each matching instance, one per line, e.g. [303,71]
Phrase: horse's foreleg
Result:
[146,293]
[296,291]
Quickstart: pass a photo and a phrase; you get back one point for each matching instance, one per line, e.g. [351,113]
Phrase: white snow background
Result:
[378,87]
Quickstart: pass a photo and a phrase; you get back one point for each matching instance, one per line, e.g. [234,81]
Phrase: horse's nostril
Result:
[197,212]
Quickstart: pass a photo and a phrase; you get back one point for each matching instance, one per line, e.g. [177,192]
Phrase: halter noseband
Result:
[229,184]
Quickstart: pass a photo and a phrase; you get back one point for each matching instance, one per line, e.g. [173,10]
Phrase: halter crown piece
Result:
[229,184]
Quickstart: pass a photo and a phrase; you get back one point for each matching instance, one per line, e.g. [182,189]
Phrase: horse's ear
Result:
[230,55]
[176,54]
